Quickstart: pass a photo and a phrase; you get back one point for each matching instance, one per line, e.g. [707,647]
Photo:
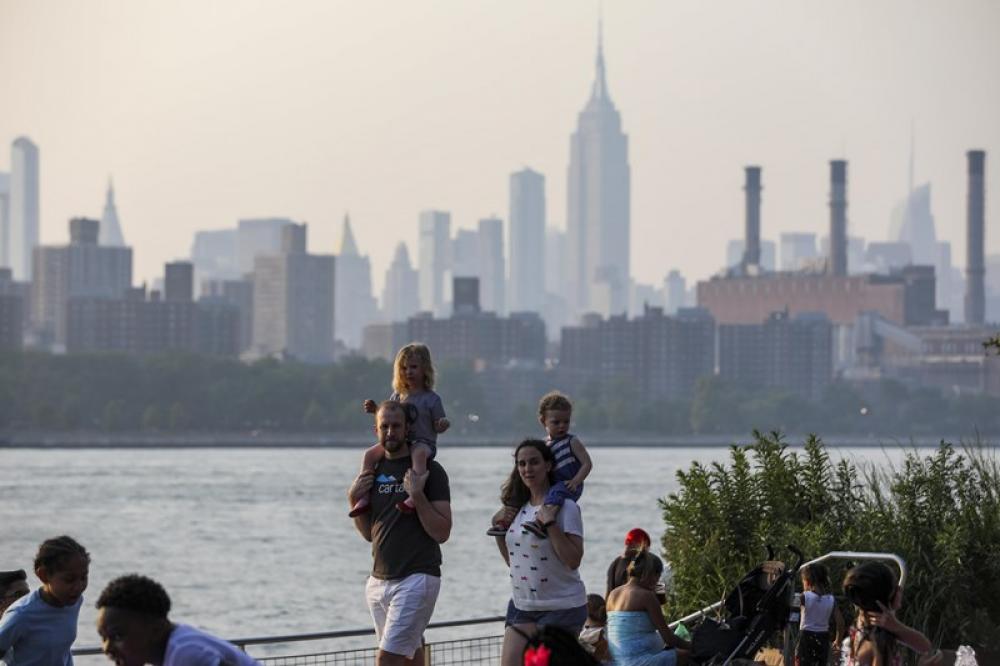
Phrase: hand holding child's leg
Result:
[501,521]
[420,453]
[371,458]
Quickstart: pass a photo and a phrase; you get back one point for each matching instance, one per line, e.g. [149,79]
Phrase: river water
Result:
[257,541]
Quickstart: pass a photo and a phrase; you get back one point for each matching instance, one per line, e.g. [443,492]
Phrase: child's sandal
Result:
[359,509]
[498,529]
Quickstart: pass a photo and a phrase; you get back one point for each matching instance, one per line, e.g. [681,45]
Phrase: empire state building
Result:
[598,209]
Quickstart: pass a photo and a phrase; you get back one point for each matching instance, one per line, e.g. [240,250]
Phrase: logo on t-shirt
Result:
[388,484]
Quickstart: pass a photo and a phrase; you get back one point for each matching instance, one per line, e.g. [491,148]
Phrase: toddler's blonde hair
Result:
[419,352]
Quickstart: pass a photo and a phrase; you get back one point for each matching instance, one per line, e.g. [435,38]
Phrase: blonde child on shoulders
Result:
[412,384]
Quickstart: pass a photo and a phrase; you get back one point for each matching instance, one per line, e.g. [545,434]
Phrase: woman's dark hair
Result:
[866,585]
[597,609]
[870,583]
[562,648]
[514,492]
[818,578]
[55,553]
[137,594]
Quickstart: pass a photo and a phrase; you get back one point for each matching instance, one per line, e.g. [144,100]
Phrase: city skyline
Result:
[703,91]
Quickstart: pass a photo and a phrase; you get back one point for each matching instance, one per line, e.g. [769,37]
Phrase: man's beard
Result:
[393,445]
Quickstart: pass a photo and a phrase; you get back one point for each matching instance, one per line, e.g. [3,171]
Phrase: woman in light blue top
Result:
[637,633]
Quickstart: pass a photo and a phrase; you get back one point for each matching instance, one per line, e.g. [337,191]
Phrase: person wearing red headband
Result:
[636,541]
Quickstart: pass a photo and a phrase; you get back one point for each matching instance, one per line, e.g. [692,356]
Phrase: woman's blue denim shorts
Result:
[570,619]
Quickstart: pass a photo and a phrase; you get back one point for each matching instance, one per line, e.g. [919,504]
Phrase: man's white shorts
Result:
[401,609]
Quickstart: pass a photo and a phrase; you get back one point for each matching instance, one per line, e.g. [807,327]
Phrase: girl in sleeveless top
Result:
[818,608]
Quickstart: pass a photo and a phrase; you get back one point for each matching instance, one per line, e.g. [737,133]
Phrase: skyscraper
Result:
[293,301]
[675,292]
[465,253]
[178,281]
[491,266]
[527,241]
[434,259]
[111,229]
[400,299]
[257,237]
[598,224]
[81,269]
[355,305]
[214,256]
[23,226]
[4,220]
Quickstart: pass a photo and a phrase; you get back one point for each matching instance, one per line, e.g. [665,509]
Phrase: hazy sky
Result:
[206,112]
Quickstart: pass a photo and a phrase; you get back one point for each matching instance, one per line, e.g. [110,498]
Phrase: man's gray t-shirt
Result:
[429,409]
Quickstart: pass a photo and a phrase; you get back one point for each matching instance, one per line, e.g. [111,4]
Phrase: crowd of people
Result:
[401,503]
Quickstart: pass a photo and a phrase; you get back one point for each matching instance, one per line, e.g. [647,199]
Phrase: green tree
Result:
[715,407]
[178,418]
[153,417]
[315,416]
[113,415]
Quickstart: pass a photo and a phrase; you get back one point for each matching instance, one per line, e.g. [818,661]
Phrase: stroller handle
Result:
[835,555]
[864,555]
[798,554]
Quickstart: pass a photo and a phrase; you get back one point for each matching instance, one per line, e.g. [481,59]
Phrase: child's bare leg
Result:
[368,462]
[373,454]
[419,455]
[501,521]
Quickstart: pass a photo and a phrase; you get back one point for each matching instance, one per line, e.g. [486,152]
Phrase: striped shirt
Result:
[566,462]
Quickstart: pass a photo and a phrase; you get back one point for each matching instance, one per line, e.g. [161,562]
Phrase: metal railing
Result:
[475,650]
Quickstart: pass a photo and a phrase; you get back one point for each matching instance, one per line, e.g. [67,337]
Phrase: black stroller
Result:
[757,607]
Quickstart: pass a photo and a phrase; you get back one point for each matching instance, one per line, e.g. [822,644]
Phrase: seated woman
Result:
[637,633]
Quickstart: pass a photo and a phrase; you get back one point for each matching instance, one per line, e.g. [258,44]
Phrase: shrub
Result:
[940,512]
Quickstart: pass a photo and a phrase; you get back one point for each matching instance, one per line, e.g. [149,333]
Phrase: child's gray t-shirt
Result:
[429,409]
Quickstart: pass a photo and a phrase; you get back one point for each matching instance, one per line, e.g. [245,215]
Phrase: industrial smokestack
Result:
[975,293]
[838,217]
[751,251]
